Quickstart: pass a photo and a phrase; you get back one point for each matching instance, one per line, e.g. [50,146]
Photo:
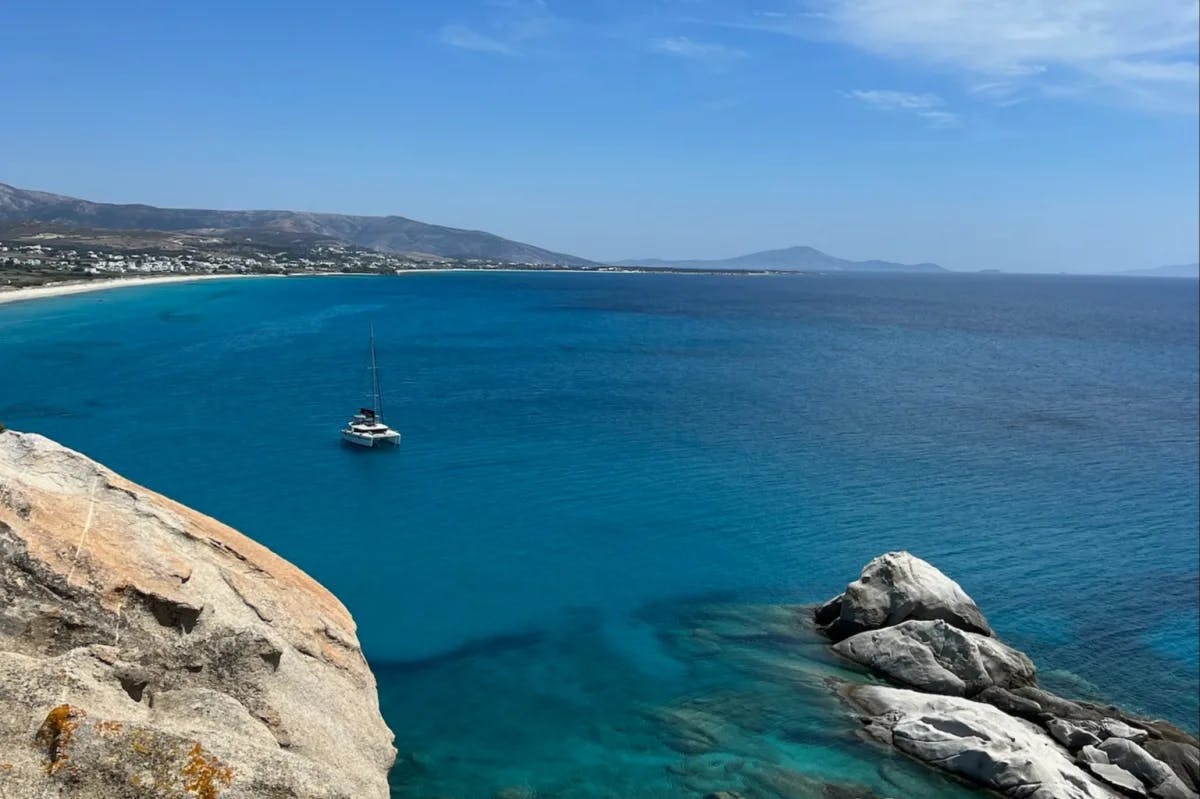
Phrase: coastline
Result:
[103,284]
[68,288]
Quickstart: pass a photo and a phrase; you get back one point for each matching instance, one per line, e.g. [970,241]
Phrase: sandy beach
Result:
[64,289]
[104,284]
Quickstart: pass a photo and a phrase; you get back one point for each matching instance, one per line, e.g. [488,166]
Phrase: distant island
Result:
[789,259]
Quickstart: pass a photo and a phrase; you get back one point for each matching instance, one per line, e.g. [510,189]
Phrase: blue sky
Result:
[1020,135]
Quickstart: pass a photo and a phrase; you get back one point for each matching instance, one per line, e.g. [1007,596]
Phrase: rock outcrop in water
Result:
[935,656]
[979,712]
[897,587]
[977,741]
[147,650]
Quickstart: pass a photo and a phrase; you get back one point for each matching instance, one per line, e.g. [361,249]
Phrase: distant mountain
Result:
[386,233]
[797,259]
[1175,270]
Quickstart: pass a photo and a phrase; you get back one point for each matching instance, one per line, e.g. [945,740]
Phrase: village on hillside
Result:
[25,263]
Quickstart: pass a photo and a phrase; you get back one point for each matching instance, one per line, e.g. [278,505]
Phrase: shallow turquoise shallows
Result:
[589,457]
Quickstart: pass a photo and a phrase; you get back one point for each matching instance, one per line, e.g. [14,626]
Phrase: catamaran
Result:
[366,428]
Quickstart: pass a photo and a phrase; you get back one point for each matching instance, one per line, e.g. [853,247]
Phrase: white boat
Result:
[367,428]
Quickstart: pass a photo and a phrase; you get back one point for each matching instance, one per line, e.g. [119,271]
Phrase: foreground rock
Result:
[1016,735]
[147,650]
[894,588]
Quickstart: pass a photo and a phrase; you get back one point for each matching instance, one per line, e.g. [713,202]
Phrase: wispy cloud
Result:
[926,106]
[684,47]
[998,92]
[1114,50]
[468,39]
[511,28]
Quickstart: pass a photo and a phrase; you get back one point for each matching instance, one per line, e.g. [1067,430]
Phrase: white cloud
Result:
[927,106]
[940,119]
[467,39]
[684,47]
[998,92]
[512,26]
[1143,52]
[1146,51]
[907,101]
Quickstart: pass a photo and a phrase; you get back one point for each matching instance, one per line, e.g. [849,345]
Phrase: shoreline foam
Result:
[103,284]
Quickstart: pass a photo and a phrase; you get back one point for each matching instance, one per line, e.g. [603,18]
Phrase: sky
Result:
[978,134]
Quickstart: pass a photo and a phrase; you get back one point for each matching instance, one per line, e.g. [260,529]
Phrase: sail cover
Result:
[367,412]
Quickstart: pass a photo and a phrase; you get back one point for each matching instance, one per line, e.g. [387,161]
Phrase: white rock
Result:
[1118,778]
[938,657]
[976,741]
[1156,775]
[894,588]
[1090,754]
[1072,734]
[1114,728]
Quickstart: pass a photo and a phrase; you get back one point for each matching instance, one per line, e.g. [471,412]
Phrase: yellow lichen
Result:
[105,727]
[204,773]
[140,742]
[55,734]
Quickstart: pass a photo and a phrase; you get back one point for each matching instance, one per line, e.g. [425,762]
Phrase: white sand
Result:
[102,284]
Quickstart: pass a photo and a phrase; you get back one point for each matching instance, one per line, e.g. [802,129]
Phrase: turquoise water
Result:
[583,451]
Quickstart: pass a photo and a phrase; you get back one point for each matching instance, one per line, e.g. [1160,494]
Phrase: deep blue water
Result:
[579,448]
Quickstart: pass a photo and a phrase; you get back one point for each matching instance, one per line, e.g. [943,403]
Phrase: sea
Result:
[569,578]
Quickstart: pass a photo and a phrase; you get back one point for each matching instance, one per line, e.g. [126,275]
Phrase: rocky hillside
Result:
[971,705]
[149,651]
[394,234]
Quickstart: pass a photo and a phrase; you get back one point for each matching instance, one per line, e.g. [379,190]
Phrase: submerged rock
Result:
[894,588]
[938,657]
[147,650]
[976,741]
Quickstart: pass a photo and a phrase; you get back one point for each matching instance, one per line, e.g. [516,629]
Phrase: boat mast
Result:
[377,397]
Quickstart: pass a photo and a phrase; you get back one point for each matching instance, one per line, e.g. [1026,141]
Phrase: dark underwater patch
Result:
[490,646]
[25,410]
[171,315]
[1062,421]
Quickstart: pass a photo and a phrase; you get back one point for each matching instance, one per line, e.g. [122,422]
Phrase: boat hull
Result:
[391,439]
